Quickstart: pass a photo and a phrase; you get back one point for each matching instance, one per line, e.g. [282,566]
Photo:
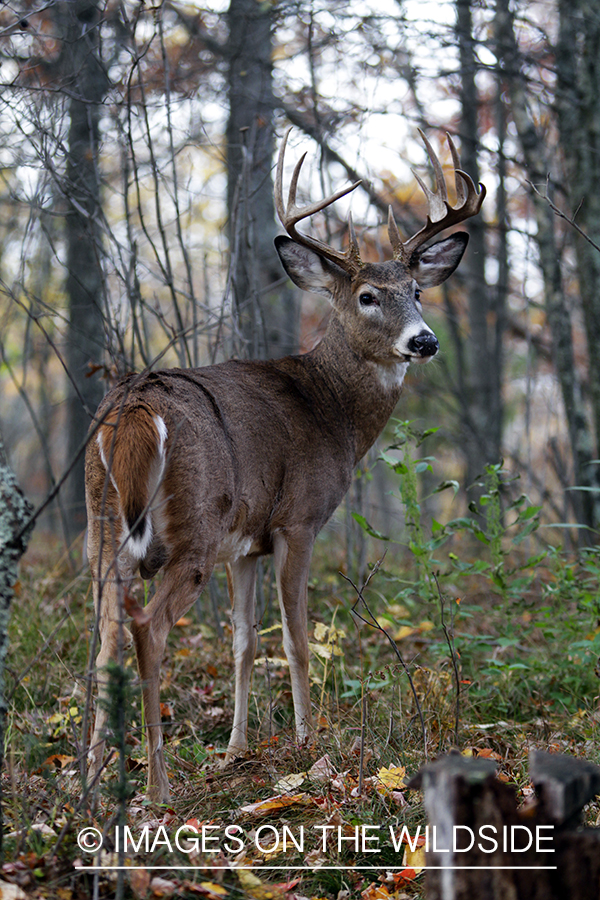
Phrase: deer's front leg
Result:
[292,563]
[242,589]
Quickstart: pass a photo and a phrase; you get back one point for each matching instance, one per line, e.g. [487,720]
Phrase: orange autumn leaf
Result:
[58,760]
[402,877]
[485,753]
[375,892]
[280,801]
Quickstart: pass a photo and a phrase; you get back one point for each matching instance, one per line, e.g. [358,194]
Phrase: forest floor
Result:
[493,658]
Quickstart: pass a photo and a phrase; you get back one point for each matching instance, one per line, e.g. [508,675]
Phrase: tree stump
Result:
[482,847]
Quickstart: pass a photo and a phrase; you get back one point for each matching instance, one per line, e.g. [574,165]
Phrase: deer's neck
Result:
[366,390]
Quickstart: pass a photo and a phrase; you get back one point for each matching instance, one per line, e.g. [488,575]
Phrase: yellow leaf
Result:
[56,719]
[214,890]
[271,661]
[403,632]
[398,611]
[393,778]
[321,631]
[257,888]
[414,859]
[326,651]
[426,626]
[276,627]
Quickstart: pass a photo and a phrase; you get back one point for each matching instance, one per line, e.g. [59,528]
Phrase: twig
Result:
[449,635]
[562,215]
[373,623]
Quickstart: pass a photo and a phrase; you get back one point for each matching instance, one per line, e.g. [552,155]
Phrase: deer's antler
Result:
[291,214]
[440,214]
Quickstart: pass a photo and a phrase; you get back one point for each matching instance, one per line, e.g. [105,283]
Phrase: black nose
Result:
[424,344]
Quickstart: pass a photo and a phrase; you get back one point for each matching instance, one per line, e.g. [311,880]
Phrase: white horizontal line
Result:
[318,868]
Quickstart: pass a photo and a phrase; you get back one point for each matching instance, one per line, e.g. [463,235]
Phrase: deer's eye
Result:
[368,299]
[418,295]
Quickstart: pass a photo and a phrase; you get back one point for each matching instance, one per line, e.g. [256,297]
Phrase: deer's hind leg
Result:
[180,587]
[111,577]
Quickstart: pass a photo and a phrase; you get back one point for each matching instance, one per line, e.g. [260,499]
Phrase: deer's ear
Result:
[437,262]
[306,268]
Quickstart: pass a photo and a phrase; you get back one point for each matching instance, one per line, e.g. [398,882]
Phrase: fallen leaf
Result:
[206,889]
[290,782]
[375,892]
[163,887]
[400,878]
[322,770]
[262,807]
[414,842]
[393,778]
[139,881]
[414,859]
[182,622]
[257,888]
[11,892]
[403,632]
[485,753]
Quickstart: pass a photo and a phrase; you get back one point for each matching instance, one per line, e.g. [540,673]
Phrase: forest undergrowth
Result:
[478,634]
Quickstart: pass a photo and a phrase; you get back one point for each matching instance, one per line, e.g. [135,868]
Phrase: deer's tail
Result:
[132,442]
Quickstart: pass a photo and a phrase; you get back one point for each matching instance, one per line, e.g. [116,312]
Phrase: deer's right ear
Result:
[308,270]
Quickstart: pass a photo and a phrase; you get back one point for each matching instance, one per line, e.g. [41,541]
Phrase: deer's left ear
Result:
[436,263]
[308,270]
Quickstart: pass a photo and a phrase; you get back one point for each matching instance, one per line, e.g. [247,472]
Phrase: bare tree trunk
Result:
[266,310]
[14,514]
[481,397]
[578,90]
[557,309]
[86,82]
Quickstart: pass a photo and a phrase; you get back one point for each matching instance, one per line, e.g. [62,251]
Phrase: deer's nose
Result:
[424,344]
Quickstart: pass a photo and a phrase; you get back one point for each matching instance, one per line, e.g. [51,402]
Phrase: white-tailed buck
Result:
[190,467]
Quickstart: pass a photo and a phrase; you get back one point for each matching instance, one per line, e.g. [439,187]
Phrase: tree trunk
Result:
[480,392]
[265,308]
[578,89]
[86,82]
[557,308]
[15,511]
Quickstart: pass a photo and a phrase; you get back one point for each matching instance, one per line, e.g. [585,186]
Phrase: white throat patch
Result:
[391,376]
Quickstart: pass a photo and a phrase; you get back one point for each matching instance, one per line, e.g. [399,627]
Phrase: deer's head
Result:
[379,304]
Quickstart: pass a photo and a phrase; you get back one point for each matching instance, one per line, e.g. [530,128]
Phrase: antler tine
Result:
[395,239]
[440,214]
[290,214]
[461,194]
[436,199]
